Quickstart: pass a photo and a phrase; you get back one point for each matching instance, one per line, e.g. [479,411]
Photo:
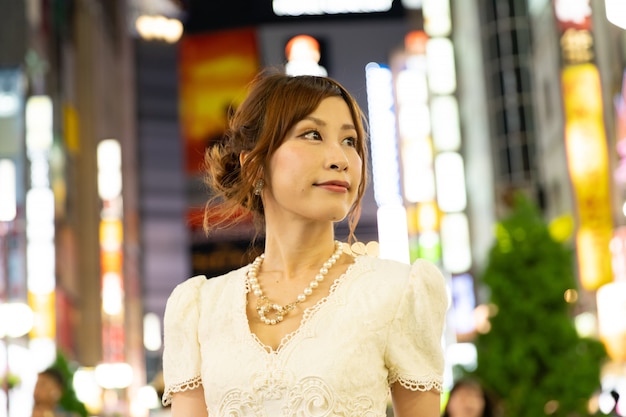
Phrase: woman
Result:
[468,399]
[48,391]
[306,329]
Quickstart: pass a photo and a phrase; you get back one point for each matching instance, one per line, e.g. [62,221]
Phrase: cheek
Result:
[357,163]
[285,162]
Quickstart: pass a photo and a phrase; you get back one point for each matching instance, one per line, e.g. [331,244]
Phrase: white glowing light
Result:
[40,267]
[418,175]
[112,294]
[393,234]
[9,103]
[606,402]
[87,389]
[616,12]
[38,123]
[437,20]
[320,7]
[586,325]
[148,398]
[7,190]
[383,139]
[114,375]
[16,319]
[445,123]
[414,121]
[450,180]
[611,299]
[44,352]
[572,10]
[40,250]
[159,28]
[152,332]
[303,56]
[411,87]
[412,4]
[457,257]
[109,169]
[441,66]
[462,354]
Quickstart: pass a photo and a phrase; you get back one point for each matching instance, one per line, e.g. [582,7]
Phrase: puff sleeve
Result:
[181,348]
[414,354]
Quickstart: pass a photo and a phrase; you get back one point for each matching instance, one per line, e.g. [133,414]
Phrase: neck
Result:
[292,256]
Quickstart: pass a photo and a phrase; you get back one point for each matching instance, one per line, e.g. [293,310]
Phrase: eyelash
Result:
[309,132]
[319,137]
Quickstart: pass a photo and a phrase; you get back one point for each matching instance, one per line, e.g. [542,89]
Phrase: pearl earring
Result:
[258,186]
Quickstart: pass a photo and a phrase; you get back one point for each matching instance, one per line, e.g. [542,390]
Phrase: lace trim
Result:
[308,313]
[415,385]
[193,383]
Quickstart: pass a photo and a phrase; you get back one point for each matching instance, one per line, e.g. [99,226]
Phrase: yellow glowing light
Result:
[427,216]
[570,296]
[594,259]
[587,158]
[44,309]
[562,228]
[111,234]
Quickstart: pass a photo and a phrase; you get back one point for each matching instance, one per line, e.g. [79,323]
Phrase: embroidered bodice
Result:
[381,323]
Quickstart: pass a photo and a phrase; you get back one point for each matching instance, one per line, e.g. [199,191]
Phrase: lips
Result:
[337,186]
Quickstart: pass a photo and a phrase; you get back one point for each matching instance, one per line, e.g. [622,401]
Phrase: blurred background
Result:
[497,137]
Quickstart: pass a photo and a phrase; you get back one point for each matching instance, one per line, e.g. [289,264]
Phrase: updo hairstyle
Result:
[274,104]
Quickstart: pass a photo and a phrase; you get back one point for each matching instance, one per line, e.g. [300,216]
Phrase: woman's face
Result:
[466,401]
[315,173]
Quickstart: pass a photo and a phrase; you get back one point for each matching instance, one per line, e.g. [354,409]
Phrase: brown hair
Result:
[275,103]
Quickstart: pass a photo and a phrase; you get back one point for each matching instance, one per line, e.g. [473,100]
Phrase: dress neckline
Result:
[307,315]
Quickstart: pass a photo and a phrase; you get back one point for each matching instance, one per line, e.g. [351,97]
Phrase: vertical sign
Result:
[585,142]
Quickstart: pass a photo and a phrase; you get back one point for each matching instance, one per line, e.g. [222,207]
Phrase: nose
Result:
[337,159]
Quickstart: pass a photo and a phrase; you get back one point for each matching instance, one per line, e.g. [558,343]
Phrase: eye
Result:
[312,134]
[350,142]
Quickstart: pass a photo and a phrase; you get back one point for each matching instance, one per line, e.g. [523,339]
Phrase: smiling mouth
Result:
[335,186]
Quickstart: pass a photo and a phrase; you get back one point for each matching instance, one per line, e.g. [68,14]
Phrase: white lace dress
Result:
[381,323]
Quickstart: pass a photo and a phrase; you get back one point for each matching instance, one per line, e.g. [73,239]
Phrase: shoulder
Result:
[197,283]
[379,266]
[421,275]
[188,292]
[394,271]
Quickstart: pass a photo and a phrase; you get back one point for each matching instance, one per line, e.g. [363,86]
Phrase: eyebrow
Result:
[320,122]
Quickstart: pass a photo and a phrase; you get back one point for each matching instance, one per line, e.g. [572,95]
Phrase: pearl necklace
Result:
[265,306]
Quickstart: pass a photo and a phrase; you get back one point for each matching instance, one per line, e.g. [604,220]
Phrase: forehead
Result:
[333,105]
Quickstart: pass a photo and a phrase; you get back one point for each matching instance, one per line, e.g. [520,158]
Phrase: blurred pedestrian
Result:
[468,399]
[48,391]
